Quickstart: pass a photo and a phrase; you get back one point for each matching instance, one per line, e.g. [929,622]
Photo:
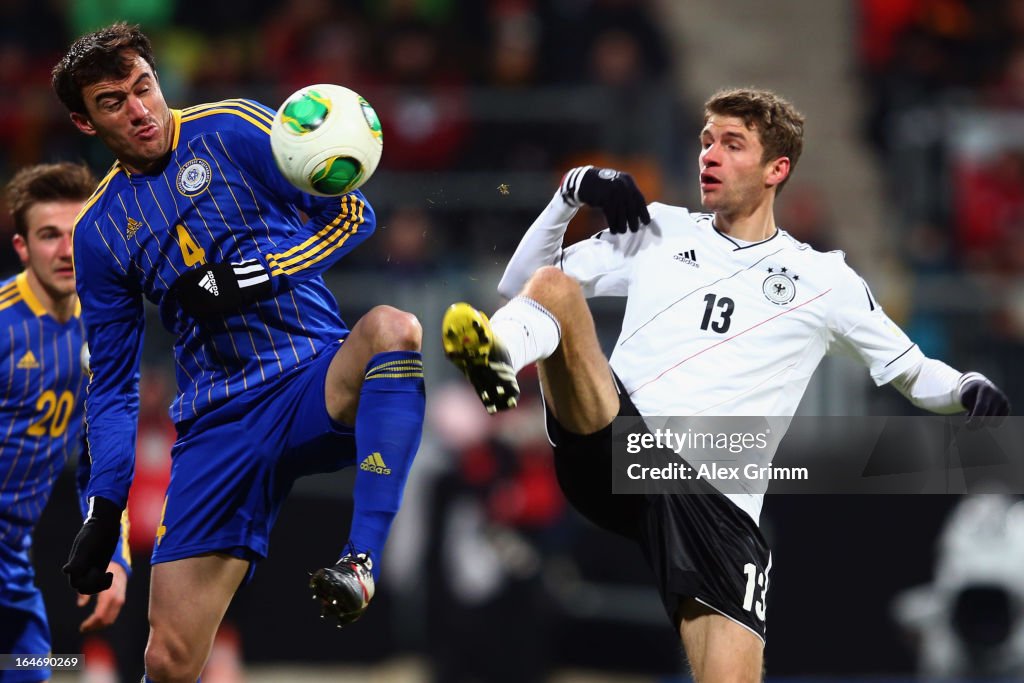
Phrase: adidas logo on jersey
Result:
[28,361]
[689,257]
[374,463]
[209,283]
[133,227]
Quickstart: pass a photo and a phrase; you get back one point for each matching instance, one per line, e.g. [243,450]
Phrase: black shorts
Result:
[699,546]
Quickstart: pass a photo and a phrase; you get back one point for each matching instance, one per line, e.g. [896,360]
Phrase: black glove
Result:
[982,399]
[217,288]
[93,547]
[613,192]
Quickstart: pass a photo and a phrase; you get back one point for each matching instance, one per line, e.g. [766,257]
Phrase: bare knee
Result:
[170,660]
[388,329]
[550,287]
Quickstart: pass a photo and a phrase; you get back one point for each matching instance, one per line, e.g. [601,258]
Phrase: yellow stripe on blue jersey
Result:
[28,296]
[9,294]
[220,198]
[237,106]
[176,122]
[323,243]
[251,113]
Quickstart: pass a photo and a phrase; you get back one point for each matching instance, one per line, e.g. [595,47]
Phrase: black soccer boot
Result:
[345,589]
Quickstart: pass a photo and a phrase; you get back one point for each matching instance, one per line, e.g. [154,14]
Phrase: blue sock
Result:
[389,424]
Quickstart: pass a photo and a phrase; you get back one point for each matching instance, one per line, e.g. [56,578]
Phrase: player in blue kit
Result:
[43,373]
[272,385]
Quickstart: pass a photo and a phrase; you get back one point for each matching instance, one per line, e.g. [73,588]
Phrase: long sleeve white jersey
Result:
[713,327]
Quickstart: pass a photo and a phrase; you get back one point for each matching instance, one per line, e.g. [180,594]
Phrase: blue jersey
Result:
[43,381]
[40,408]
[220,198]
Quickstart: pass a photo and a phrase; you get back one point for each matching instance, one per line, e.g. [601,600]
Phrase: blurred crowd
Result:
[943,82]
[939,72]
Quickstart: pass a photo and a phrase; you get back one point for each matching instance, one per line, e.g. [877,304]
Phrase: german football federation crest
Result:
[780,286]
[193,177]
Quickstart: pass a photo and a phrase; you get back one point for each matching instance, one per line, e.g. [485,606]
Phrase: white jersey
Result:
[717,328]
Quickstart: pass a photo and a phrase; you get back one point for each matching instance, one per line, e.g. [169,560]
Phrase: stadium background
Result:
[913,164]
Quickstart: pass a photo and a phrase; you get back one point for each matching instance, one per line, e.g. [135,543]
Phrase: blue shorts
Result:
[23,626]
[232,467]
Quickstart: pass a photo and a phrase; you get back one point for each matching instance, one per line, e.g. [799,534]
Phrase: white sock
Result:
[527,330]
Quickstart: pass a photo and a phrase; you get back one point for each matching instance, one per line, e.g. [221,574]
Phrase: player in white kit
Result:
[726,315]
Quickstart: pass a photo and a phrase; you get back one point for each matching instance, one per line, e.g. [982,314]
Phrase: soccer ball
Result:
[326,140]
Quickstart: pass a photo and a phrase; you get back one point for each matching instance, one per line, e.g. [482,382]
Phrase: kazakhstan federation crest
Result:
[779,287]
[193,177]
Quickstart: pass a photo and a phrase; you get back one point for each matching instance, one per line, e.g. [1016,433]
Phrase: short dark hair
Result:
[779,124]
[104,54]
[41,183]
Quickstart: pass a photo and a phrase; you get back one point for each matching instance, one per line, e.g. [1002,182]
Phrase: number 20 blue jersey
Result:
[220,198]
[42,382]
[40,411]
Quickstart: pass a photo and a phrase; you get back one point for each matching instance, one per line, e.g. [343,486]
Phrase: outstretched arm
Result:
[862,327]
[935,386]
[540,246]
[624,207]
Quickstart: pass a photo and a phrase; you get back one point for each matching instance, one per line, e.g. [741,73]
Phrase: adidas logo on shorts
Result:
[374,463]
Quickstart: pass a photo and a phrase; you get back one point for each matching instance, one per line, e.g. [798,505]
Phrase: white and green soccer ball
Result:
[326,140]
